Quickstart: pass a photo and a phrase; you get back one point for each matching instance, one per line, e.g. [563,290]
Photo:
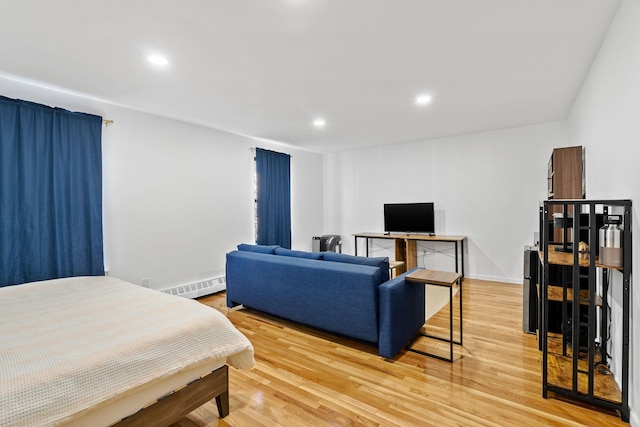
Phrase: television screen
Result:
[409,218]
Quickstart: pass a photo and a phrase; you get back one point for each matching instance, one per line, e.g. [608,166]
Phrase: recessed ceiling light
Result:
[158,60]
[423,99]
[319,123]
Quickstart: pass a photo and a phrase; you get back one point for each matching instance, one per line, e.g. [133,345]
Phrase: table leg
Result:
[460,292]
[456,251]
[462,258]
[451,323]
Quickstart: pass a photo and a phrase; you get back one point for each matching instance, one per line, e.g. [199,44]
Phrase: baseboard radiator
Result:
[200,288]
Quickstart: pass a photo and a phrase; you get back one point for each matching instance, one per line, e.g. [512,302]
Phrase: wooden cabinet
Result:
[566,173]
[565,180]
[576,337]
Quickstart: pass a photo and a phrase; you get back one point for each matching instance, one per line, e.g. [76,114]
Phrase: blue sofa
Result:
[339,293]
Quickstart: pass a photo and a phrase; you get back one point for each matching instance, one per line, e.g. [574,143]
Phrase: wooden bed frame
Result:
[175,406]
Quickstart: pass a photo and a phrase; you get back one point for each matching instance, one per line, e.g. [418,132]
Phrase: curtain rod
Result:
[107,122]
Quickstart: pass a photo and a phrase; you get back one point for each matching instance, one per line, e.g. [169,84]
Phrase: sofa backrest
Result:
[337,297]
[381,262]
[262,249]
[298,254]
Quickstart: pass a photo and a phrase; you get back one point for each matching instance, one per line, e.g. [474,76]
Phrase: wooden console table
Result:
[405,246]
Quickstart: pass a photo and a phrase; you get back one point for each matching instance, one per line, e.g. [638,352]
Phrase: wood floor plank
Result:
[306,377]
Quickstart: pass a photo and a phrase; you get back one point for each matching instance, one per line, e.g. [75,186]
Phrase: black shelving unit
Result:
[574,291]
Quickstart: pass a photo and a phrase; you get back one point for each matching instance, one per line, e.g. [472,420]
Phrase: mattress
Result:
[69,347]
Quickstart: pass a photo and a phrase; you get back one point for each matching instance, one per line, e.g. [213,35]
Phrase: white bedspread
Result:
[68,345]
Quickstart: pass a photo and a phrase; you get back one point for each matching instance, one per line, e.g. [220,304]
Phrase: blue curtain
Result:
[50,193]
[273,198]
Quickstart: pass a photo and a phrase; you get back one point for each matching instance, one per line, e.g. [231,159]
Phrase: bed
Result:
[97,351]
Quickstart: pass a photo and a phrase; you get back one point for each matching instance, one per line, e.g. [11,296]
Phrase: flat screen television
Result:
[409,218]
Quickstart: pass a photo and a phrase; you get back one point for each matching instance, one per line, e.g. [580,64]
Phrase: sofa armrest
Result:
[402,310]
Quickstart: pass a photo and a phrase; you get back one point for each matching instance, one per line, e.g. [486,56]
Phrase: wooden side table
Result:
[395,268]
[439,278]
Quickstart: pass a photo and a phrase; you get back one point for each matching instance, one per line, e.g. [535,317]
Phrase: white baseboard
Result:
[199,288]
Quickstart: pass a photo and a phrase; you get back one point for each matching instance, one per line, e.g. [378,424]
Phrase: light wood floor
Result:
[308,378]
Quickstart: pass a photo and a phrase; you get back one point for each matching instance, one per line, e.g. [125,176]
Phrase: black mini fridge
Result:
[529,291]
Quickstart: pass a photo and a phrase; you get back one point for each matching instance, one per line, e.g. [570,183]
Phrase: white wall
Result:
[178,196]
[606,119]
[487,186]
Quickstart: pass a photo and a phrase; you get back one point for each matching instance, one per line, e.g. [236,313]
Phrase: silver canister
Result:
[610,238]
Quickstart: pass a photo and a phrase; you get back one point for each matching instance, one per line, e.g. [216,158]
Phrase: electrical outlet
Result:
[145,282]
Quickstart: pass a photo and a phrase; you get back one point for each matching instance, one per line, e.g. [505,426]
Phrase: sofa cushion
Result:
[298,254]
[381,262]
[263,249]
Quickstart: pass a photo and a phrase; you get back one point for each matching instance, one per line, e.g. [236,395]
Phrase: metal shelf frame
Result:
[575,273]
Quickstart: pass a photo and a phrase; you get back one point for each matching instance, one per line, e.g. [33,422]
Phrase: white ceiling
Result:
[267,68]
